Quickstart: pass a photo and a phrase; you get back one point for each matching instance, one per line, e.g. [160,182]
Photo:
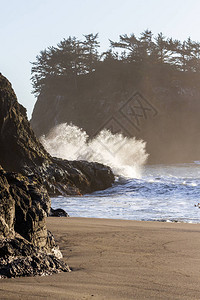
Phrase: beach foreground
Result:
[115,259]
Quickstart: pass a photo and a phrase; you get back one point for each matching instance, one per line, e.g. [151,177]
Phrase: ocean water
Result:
[163,193]
[140,192]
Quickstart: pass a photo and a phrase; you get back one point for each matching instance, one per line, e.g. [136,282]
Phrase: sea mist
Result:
[124,155]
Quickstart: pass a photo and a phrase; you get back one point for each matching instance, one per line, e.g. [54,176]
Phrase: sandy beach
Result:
[115,259]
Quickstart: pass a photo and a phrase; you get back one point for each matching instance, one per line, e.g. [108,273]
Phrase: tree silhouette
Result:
[91,56]
[72,58]
[161,48]
[130,46]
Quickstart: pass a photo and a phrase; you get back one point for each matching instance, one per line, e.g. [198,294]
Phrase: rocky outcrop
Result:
[154,103]
[19,146]
[32,205]
[27,176]
[20,258]
[26,247]
[21,152]
[59,212]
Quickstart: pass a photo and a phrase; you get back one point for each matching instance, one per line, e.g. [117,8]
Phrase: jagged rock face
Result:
[21,152]
[19,146]
[85,177]
[7,208]
[97,175]
[20,258]
[26,247]
[24,207]
[32,204]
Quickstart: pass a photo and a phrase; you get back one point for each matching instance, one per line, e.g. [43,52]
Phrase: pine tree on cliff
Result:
[183,56]
[130,46]
[63,60]
[161,46]
[146,46]
[139,50]
[70,58]
[196,51]
[40,71]
[193,61]
[173,46]
[91,55]
[109,56]
[71,54]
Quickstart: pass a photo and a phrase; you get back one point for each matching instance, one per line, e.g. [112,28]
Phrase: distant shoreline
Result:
[127,220]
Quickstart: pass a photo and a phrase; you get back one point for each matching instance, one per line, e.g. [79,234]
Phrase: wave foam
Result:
[124,155]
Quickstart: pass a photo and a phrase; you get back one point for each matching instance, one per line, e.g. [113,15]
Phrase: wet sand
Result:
[115,259]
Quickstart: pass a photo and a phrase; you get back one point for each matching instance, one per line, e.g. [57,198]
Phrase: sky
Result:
[27,27]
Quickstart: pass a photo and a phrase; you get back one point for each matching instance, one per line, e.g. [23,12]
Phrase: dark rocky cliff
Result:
[157,104]
[28,174]
[26,246]
[21,152]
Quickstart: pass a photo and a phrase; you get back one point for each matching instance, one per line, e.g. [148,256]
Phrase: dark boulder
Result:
[59,212]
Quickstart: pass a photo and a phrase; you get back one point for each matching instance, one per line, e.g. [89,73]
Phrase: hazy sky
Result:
[27,27]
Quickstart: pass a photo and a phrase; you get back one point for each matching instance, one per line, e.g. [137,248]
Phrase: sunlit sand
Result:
[114,259]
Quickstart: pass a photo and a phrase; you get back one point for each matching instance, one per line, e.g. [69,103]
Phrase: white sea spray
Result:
[124,155]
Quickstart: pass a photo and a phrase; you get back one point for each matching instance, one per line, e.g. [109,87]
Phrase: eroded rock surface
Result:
[22,152]
[27,248]
[18,257]
[27,176]
[7,208]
